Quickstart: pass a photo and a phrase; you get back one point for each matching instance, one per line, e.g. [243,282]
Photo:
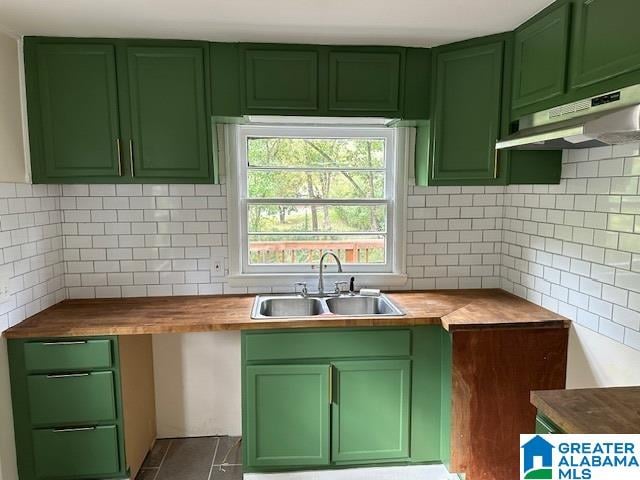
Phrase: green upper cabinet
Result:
[370,416]
[540,58]
[74,127]
[169,126]
[116,111]
[466,113]
[280,80]
[287,415]
[365,81]
[319,80]
[606,40]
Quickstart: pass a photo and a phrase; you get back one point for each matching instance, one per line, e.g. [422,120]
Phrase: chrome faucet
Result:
[320,275]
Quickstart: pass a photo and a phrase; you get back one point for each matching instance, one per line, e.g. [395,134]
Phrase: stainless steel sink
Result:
[358,305]
[290,306]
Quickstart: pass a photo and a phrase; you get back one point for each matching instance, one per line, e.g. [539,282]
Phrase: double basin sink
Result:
[284,306]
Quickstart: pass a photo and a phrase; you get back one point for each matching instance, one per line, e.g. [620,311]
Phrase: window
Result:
[297,191]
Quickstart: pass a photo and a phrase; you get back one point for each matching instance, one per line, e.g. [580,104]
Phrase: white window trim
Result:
[400,153]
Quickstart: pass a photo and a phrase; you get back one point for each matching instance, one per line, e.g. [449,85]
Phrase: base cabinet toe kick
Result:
[83,408]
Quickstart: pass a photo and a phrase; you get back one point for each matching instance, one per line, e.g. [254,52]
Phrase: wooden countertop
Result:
[592,410]
[453,309]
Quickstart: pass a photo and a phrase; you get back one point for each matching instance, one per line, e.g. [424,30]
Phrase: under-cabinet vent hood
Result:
[609,119]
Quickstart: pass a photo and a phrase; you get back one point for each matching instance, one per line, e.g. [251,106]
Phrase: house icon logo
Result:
[537,460]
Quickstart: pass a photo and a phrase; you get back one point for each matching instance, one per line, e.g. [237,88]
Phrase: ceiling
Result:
[422,23]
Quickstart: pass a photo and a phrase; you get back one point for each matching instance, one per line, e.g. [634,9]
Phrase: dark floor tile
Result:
[229,472]
[155,456]
[147,474]
[188,459]
[229,451]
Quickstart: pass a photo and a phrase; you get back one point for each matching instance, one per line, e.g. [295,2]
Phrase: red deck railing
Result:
[351,251]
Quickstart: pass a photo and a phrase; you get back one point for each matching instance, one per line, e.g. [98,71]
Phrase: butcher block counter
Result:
[591,410]
[453,309]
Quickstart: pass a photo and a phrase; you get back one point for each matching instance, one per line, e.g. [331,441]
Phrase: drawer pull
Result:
[73,429]
[69,375]
[78,342]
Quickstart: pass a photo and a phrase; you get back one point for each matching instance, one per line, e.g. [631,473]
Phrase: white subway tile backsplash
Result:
[593,243]
[571,247]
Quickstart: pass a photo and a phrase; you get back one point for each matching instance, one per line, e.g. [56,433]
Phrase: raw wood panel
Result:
[591,410]
[138,398]
[494,372]
[453,309]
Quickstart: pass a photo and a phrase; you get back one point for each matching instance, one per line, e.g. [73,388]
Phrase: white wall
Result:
[11,139]
[598,361]
[197,379]
[11,169]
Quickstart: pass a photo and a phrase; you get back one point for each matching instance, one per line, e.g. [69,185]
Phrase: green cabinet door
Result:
[370,414]
[367,82]
[540,58]
[279,80]
[169,127]
[287,415]
[606,40]
[73,111]
[466,114]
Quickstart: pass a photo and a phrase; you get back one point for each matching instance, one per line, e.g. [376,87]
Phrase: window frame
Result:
[242,273]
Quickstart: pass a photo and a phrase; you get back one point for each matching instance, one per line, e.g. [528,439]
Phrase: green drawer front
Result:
[71,453]
[327,344]
[68,355]
[79,399]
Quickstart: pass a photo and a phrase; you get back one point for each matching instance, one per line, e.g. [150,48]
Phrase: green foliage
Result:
[293,168]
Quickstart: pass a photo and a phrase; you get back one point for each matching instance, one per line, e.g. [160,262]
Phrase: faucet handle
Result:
[304,290]
[339,286]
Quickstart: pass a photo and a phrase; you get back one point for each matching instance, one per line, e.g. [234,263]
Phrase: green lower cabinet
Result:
[89,452]
[544,426]
[370,414]
[287,415]
[67,408]
[326,398]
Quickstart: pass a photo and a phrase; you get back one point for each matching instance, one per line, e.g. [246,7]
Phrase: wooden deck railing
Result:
[350,251]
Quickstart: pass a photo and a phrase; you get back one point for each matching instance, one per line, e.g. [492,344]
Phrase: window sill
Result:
[287,280]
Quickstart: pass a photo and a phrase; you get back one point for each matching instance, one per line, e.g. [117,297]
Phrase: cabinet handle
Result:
[330,384]
[75,342]
[69,375]
[74,429]
[119,157]
[496,152]
[433,167]
[131,157]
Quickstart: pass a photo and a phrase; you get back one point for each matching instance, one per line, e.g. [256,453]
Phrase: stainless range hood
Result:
[609,119]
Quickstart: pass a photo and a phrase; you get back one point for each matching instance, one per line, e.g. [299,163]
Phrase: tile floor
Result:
[203,458]
[220,458]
